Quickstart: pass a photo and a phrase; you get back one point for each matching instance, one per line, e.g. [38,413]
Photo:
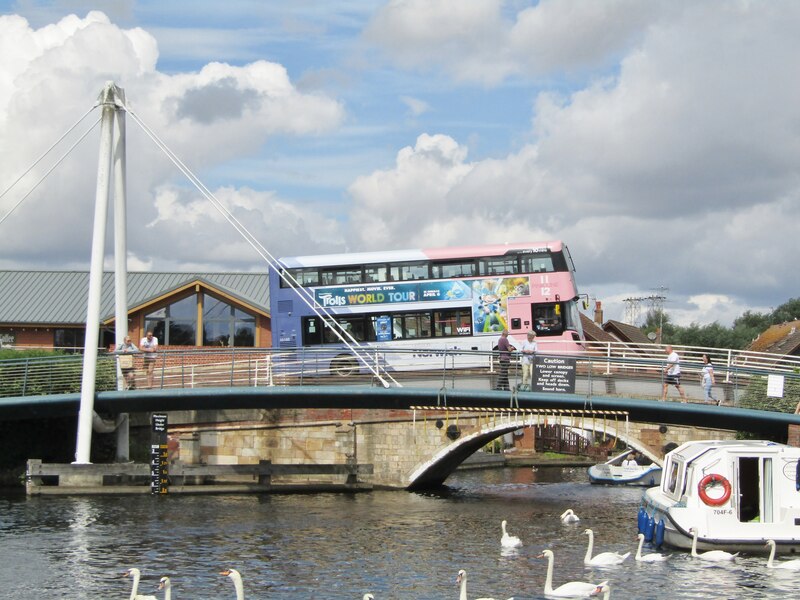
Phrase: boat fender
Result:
[642,520]
[660,534]
[648,531]
[710,480]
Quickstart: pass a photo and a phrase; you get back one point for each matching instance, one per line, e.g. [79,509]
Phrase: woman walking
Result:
[708,379]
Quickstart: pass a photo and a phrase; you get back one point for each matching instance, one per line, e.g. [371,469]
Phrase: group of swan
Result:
[571,589]
[135,574]
[653,557]
[461,580]
[509,541]
[604,559]
[787,564]
[568,516]
[711,555]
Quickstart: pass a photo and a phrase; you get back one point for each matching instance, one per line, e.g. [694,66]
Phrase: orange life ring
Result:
[714,479]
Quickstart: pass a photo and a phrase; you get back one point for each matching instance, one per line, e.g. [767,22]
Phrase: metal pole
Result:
[121,266]
[88,379]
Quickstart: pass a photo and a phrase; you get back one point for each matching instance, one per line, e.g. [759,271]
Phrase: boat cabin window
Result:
[672,485]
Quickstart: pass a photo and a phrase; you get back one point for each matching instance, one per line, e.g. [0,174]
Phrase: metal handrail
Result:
[228,367]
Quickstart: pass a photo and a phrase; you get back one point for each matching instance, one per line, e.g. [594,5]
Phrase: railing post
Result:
[233,363]
[25,377]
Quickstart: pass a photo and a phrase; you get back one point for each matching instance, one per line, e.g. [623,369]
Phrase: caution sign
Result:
[554,374]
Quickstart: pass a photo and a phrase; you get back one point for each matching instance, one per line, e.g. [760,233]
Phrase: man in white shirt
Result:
[148,346]
[672,373]
[528,350]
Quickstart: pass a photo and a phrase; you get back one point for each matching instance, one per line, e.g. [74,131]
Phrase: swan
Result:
[604,559]
[368,597]
[572,589]
[509,541]
[653,557]
[711,555]
[462,580]
[568,516]
[787,564]
[237,582]
[136,575]
[604,589]
[165,585]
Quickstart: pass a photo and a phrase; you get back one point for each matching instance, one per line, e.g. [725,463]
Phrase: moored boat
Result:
[736,494]
[615,472]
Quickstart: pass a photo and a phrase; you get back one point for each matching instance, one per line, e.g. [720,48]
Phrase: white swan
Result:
[136,575]
[787,564]
[653,557]
[233,574]
[509,541]
[604,589]
[568,516]
[604,559]
[572,589]
[165,585]
[368,597]
[461,579]
[711,555]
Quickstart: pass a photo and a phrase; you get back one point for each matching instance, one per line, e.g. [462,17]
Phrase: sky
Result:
[659,140]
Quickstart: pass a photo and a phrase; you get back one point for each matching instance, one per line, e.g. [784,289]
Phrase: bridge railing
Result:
[604,369]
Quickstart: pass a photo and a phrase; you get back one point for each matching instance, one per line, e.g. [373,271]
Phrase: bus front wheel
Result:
[344,365]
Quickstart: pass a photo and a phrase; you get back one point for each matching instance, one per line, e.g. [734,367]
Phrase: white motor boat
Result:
[736,494]
[613,471]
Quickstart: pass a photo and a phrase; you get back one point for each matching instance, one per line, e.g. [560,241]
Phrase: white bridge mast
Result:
[111,101]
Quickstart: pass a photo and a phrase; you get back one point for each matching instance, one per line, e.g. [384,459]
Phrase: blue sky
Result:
[658,139]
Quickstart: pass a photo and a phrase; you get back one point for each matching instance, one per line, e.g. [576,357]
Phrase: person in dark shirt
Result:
[504,348]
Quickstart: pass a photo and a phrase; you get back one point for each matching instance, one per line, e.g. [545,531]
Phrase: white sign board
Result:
[775,386]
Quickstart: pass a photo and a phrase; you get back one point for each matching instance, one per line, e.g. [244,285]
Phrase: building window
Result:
[71,340]
[226,325]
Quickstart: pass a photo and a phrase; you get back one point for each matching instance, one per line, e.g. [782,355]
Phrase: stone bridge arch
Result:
[445,460]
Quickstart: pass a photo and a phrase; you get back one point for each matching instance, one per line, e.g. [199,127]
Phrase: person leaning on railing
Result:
[125,352]
[149,345]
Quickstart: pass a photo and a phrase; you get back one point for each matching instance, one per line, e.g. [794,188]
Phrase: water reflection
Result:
[393,544]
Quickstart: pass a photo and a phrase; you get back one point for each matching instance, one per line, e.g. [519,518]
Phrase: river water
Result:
[392,544]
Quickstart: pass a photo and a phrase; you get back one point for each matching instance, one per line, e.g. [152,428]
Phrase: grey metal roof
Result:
[60,297]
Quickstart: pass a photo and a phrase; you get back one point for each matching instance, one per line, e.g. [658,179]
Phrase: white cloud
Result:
[415,106]
[50,76]
[680,170]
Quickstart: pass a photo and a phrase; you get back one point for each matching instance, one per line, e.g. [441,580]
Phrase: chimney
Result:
[598,312]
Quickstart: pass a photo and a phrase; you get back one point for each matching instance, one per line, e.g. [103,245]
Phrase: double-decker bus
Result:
[427,300]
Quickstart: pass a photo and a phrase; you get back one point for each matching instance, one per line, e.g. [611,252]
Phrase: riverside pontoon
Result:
[735,494]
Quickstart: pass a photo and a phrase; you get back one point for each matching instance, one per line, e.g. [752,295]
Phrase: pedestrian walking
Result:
[708,379]
[672,373]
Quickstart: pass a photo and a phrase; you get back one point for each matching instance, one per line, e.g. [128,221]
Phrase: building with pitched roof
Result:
[47,309]
[779,339]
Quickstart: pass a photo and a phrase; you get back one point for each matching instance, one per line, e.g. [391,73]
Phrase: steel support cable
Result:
[336,327]
[51,169]
[322,312]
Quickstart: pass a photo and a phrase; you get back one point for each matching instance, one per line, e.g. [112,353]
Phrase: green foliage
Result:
[745,328]
[755,395]
[38,372]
